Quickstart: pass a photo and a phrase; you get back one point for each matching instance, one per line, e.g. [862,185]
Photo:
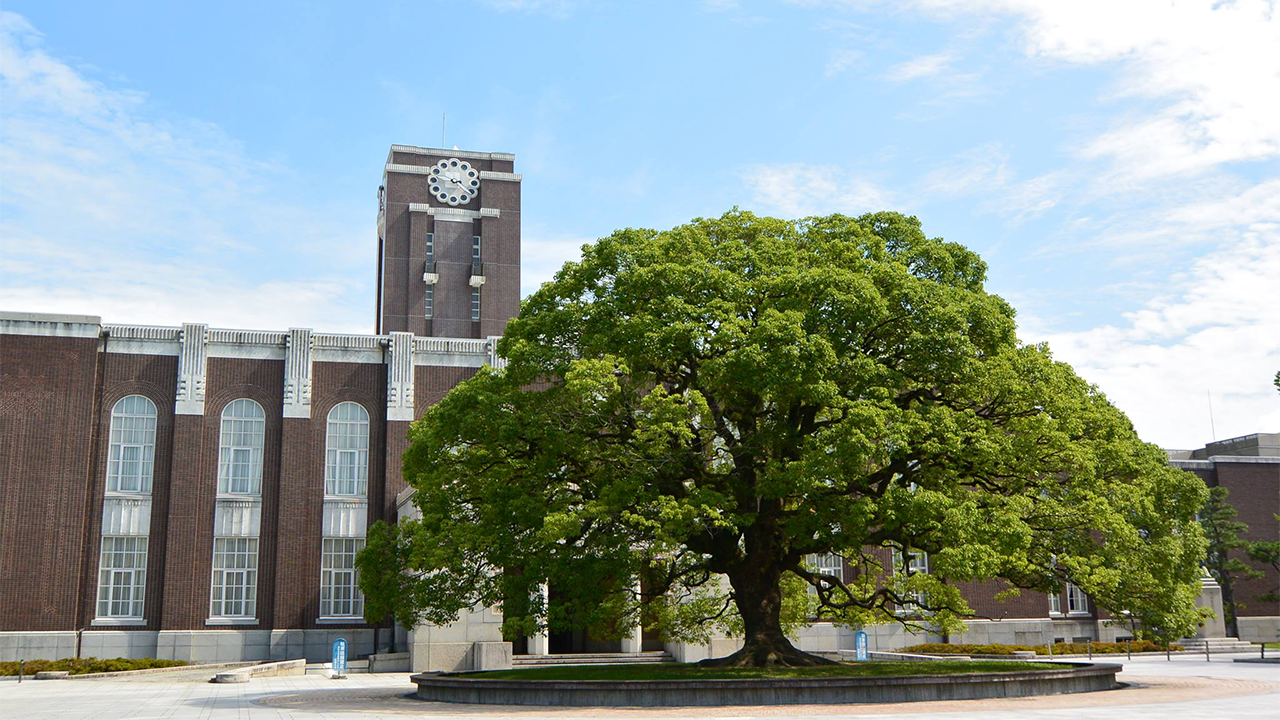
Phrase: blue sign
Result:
[860,645]
[340,656]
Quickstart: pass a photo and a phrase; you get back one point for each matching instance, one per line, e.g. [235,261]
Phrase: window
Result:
[347,451]
[917,563]
[475,248]
[235,577]
[475,304]
[828,564]
[1055,603]
[431,247]
[1076,600]
[122,577]
[339,595]
[133,445]
[429,306]
[240,448]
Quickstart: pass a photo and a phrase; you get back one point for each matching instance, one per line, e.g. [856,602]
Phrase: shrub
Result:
[1099,648]
[84,666]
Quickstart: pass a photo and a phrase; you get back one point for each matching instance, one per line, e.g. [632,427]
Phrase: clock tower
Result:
[448,242]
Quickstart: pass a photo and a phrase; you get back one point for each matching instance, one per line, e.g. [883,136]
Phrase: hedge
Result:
[84,666]
[1099,648]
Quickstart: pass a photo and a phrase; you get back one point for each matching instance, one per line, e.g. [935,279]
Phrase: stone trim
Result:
[297,373]
[505,176]
[192,366]
[49,325]
[461,154]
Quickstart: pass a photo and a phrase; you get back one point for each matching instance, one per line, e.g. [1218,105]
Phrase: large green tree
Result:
[704,408]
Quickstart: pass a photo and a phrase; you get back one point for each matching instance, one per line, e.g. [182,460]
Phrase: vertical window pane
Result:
[240,447]
[347,450]
[339,591]
[122,576]
[475,304]
[235,579]
[430,301]
[131,447]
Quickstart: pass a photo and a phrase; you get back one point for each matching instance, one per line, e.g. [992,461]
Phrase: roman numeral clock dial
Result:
[454,181]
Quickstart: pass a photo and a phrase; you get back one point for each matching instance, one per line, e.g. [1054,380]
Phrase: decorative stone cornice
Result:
[297,373]
[496,361]
[441,152]
[192,361]
[505,176]
[400,377]
[457,214]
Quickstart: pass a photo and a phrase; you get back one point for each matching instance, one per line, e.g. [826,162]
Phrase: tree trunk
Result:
[758,595]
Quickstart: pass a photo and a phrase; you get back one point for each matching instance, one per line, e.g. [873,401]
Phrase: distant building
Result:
[199,494]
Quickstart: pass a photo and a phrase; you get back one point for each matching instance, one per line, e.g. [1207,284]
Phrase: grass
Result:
[84,666]
[672,671]
[1270,646]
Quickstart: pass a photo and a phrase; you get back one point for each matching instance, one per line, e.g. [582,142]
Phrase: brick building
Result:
[199,494]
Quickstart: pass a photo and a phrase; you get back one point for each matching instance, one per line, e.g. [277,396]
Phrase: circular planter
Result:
[468,688]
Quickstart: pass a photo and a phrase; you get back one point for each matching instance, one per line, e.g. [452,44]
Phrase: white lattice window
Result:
[122,576]
[1076,600]
[429,304]
[1055,603]
[339,594]
[235,577]
[475,304]
[917,563]
[347,451]
[131,454]
[827,564]
[475,248]
[240,448]
[431,247]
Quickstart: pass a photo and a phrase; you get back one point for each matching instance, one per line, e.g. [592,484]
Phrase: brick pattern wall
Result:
[46,413]
[1253,489]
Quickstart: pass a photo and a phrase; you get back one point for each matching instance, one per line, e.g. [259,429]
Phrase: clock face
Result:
[454,181]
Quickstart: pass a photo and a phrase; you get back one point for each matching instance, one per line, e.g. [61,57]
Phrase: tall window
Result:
[339,594]
[240,448]
[347,451]
[475,248]
[431,247]
[1055,603]
[917,563]
[235,577]
[827,564]
[1076,600]
[131,454]
[475,304]
[430,304]
[122,577]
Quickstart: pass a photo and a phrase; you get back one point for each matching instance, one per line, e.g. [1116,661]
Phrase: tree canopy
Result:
[707,407]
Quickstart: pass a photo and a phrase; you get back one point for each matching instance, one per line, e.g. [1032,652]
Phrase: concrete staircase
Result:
[1218,645]
[643,658]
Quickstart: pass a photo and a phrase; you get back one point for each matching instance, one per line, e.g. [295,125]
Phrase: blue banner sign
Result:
[860,645]
[340,656]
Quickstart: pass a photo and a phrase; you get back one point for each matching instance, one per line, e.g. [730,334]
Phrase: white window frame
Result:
[122,577]
[1055,603]
[340,596]
[429,302]
[344,436]
[233,592]
[133,427]
[475,248]
[431,246]
[475,304]
[1077,601]
[828,564]
[917,563]
[240,446]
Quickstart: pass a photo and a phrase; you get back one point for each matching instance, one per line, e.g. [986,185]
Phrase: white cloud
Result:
[111,208]
[543,252]
[1215,329]
[922,66]
[985,172]
[796,190]
[842,60]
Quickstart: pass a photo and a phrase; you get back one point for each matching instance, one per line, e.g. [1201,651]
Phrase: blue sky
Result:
[1118,165]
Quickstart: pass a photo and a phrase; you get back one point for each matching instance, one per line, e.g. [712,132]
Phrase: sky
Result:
[1117,164]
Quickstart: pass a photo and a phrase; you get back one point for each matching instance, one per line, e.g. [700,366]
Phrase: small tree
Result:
[1267,552]
[1222,559]
[706,407]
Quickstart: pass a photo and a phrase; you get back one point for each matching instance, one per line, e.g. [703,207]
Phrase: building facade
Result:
[199,494]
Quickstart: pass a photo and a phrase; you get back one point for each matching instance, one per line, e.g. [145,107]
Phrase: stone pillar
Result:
[634,641]
[540,644]
[1211,597]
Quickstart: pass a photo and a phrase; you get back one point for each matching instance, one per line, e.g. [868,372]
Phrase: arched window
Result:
[346,470]
[240,448]
[131,455]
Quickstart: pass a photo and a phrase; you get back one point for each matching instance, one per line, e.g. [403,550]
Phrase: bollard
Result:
[1264,650]
[1050,647]
[1088,647]
[21,665]
[1166,650]
[1128,649]
[1206,649]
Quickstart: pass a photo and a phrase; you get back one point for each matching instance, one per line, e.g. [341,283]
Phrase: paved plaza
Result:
[1184,688]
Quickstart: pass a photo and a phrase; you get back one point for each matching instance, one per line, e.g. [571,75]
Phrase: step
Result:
[645,658]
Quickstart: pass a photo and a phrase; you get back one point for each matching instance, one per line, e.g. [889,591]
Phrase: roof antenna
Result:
[442,117]
[1212,430]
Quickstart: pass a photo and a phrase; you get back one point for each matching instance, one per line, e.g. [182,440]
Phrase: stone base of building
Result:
[1259,629]
[195,646]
